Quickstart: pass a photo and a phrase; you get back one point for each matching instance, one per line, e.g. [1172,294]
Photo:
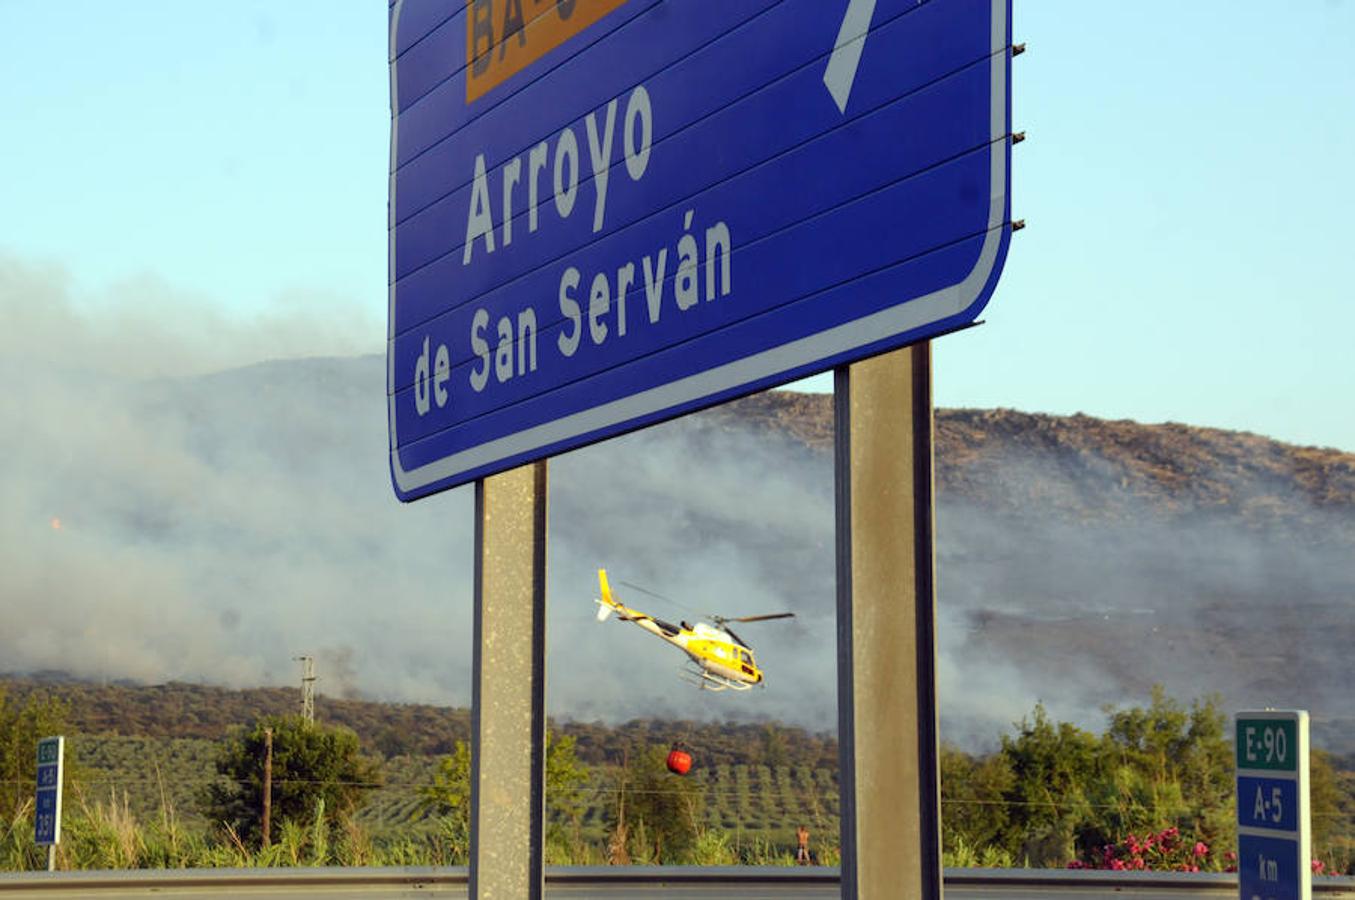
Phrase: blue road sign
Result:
[1269,803]
[46,818]
[1269,868]
[47,806]
[1273,834]
[605,213]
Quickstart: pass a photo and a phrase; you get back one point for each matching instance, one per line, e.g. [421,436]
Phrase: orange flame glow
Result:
[56,523]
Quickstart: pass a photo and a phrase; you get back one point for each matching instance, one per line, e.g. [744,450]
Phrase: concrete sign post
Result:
[508,698]
[47,809]
[886,623]
[1273,833]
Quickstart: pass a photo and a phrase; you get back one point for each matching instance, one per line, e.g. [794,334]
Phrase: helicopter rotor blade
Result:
[655,594]
[729,631]
[782,615]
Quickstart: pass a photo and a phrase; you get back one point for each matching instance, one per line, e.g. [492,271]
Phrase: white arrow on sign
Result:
[846,56]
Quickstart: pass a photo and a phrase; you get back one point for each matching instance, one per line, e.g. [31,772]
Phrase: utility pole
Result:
[307,688]
[267,784]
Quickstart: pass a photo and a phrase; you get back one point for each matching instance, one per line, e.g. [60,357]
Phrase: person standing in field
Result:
[802,851]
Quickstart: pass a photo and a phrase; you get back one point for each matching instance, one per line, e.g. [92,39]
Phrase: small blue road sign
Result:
[1270,803]
[606,213]
[1273,834]
[1269,868]
[47,815]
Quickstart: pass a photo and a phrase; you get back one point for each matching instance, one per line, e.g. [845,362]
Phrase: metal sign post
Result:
[47,809]
[508,704]
[886,632]
[1273,833]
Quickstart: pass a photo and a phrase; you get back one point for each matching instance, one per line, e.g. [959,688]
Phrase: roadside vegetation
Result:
[1153,790]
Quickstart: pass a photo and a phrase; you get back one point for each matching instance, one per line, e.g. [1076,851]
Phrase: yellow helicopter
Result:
[717,658]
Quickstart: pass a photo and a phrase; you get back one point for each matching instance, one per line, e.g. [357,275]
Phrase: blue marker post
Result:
[47,811]
[1273,834]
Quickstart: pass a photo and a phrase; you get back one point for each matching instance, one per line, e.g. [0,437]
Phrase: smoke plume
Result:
[178,504]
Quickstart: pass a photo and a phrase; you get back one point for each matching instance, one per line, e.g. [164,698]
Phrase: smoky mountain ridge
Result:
[206,529]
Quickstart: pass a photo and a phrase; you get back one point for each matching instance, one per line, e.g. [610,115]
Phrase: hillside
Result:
[1087,559]
[207,530]
[204,713]
[1085,469]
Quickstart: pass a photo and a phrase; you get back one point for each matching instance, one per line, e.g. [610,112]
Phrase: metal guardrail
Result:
[1090,881]
[618,881]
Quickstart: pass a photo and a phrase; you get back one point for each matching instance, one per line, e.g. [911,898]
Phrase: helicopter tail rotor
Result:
[606,605]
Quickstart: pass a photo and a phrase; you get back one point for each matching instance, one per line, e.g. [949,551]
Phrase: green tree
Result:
[449,795]
[392,741]
[313,764]
[663,810]
[1157,767]
[1330,822]
[973,791]
[1053,765]
[774,750]
[450,791]
[566,778]
[22,725]
[1171,767]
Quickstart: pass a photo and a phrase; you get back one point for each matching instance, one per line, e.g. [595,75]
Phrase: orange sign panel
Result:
[503,37]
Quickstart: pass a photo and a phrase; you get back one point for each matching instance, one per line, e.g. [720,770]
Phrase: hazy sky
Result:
[1186,184]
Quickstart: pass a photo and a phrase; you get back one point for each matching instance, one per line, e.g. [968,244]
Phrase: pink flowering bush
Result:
[1163,851]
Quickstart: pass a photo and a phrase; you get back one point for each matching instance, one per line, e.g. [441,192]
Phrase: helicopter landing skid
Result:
[706,681]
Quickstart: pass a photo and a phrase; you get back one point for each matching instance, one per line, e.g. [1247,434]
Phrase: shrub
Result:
[1164,851]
